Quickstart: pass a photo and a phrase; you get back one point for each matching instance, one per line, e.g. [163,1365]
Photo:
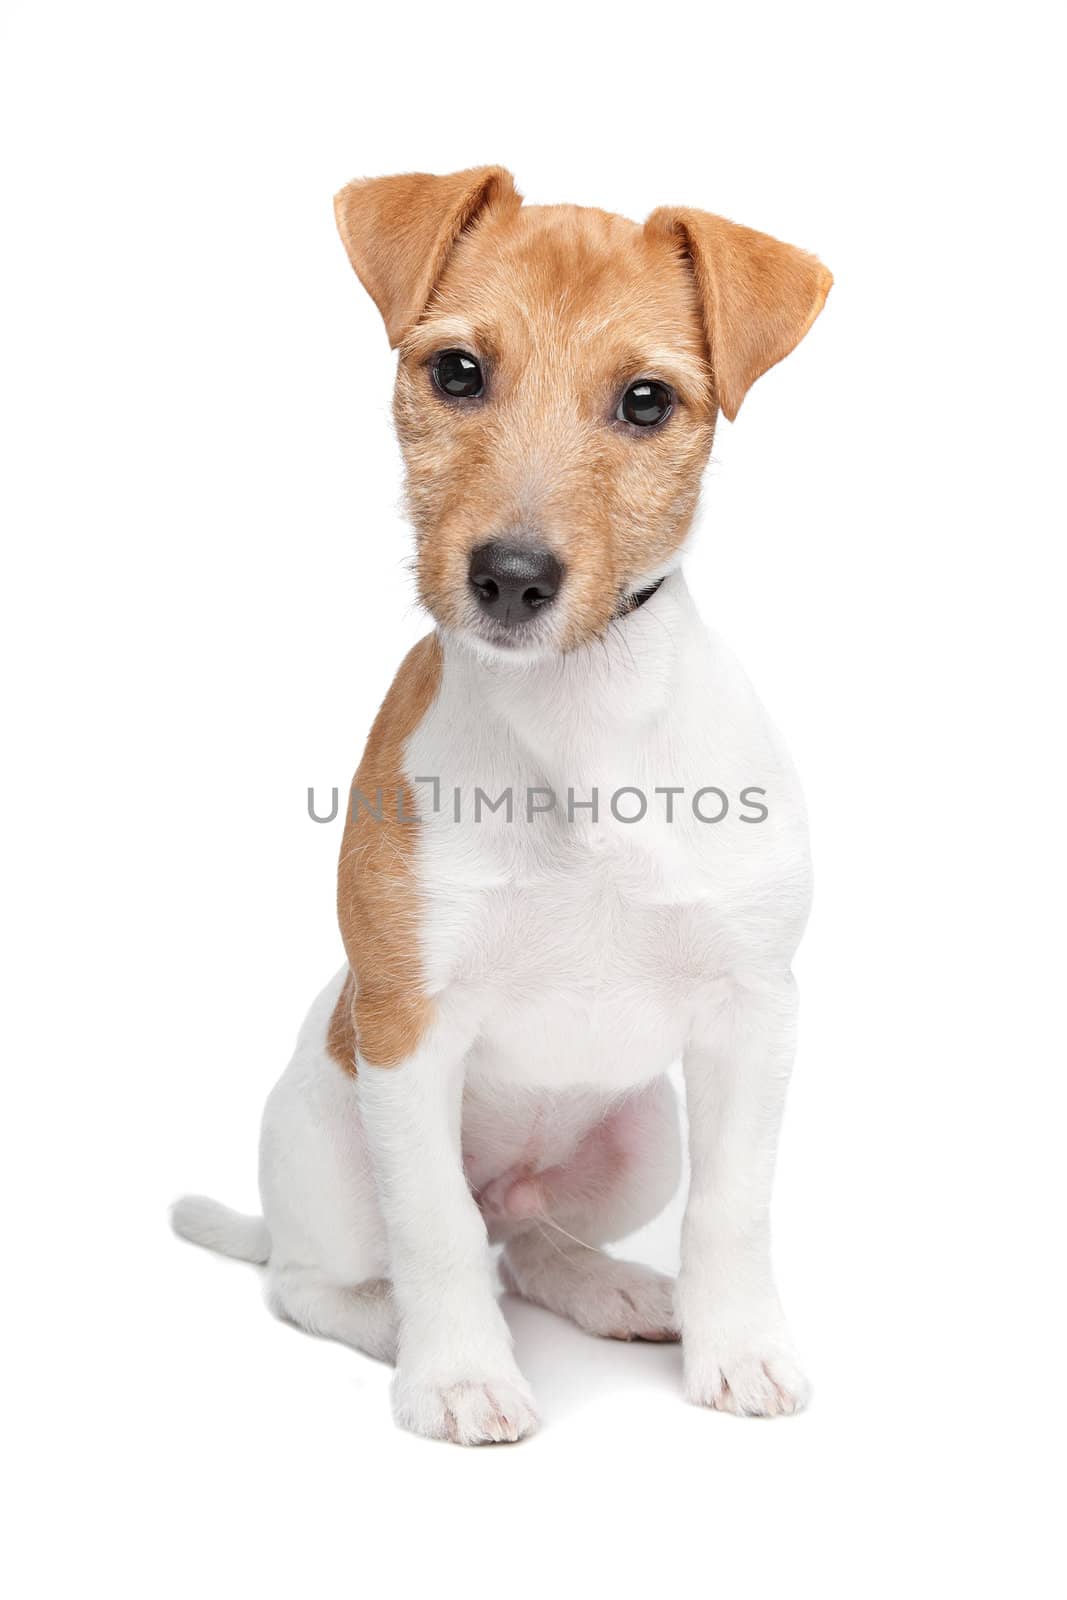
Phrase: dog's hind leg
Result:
[328,1270]
[621,1176]
[363,1315]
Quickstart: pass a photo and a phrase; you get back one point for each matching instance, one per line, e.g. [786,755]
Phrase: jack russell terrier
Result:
[575,851]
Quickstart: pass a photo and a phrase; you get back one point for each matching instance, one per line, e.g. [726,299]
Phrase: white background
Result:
[205,596]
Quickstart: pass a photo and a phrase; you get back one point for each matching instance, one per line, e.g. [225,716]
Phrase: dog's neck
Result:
[592,701]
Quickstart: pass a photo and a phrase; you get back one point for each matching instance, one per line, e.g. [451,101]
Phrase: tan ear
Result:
[759,296]
[398,233]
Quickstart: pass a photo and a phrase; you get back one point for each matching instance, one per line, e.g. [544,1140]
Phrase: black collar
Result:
[633,602]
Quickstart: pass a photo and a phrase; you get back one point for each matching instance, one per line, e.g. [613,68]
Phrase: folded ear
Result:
[759,297]
[398,233]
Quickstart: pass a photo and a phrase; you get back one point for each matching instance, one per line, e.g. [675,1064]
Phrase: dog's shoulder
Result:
[384,1007]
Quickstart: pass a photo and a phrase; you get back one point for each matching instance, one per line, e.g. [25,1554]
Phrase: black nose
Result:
[513,583]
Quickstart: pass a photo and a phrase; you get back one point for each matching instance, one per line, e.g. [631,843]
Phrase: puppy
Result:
[575,851]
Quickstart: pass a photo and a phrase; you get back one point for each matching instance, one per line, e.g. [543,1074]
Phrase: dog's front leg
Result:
[737,1350]
[456,1377]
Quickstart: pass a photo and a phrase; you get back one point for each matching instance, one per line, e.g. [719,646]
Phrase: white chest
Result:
[585,947]
[581,977]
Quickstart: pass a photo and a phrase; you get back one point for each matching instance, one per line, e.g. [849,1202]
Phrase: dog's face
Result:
[555,397]
[576,436]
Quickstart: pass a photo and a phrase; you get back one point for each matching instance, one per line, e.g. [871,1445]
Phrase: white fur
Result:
[215,1226]
[572,963]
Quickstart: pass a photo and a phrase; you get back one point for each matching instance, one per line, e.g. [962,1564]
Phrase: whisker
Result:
[550,1242]
[544,1217]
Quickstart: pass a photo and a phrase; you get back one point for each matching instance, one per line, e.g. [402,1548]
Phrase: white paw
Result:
[624,1300]
[750,1376]
[610,1298]
[470,1411]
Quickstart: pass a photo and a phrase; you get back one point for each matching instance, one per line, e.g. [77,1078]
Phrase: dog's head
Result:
[560,374]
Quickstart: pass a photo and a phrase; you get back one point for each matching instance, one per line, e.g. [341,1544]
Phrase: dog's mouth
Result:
[522,641]
[549,632]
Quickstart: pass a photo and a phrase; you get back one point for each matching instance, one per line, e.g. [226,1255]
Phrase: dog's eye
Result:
[458,374]
[645,403]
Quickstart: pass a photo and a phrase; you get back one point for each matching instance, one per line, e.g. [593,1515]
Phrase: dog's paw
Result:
[471,1411]
[748,1375]
[606,1297]
[629,1301]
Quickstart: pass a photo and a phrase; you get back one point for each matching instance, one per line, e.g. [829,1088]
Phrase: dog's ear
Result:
[398,233]
[759,296]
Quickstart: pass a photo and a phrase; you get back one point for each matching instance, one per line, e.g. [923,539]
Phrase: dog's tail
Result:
[215,1226]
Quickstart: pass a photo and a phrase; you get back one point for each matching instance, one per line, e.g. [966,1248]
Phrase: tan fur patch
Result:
[383,1008]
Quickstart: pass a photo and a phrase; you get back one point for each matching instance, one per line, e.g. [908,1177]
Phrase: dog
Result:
[575,850]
